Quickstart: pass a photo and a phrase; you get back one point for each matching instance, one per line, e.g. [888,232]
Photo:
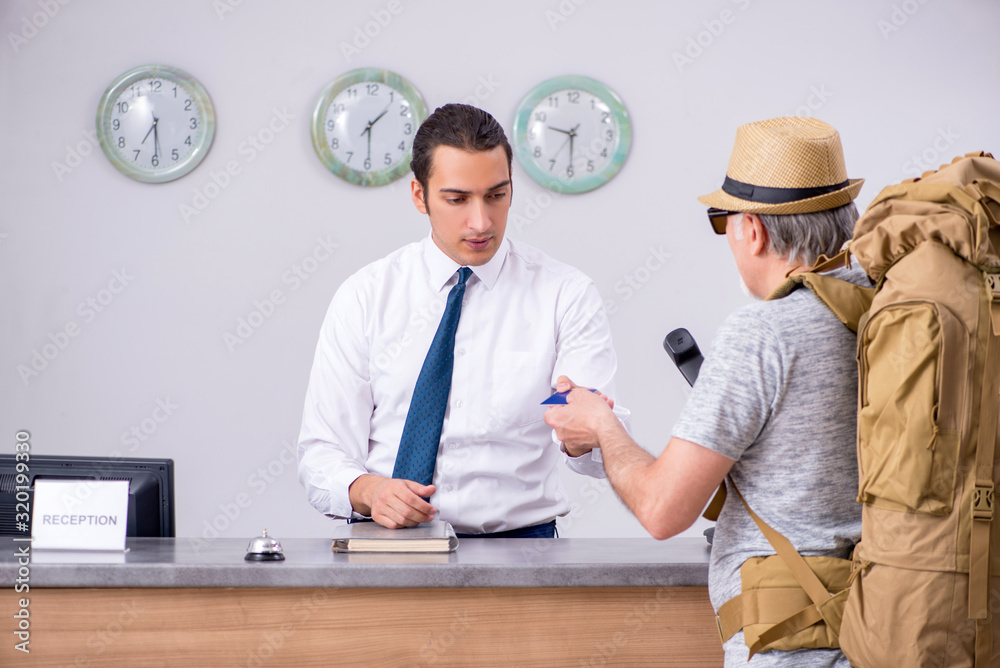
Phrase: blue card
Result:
[559,398]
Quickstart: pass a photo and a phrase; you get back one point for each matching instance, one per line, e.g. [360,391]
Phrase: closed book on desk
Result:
[434,536]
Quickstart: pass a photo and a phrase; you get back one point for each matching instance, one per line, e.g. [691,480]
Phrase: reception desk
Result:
[492,602]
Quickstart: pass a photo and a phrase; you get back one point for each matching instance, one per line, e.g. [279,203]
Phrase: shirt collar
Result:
[442,267]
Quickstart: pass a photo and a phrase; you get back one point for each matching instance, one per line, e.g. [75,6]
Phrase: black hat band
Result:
[766,195]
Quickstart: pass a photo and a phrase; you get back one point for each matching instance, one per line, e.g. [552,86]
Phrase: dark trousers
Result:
[547,530]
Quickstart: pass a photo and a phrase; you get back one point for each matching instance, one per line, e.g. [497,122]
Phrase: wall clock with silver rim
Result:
[572,134]
[155,123]
[364,123]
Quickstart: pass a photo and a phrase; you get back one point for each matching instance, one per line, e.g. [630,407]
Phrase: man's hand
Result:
[580,423]
[392,502]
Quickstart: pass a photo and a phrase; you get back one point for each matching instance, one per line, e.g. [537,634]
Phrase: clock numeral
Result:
[590,165]
[404,110]
[175,91]
[553,101]
[569,171]
[552,163]
[188,140]
[115,124]
[537,152]
[388,159]
[121,142]
[174,155]
[154,86]
[610,134]
[350,154]
[194,123]
[352,93]
[573,96]
[335,143]
[155,161]
[372,88]
[540,116]
[122,107]
[407,129]
[604,153]
[368,163]
[136,154]
[402,146]
[605,117]
[187,105]
[339,108]
[330,125]
[391,95]
[531,132]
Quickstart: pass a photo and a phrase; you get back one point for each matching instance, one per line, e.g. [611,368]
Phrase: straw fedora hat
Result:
[783,166]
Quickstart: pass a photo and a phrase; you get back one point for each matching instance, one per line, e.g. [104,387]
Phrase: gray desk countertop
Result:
[478,562]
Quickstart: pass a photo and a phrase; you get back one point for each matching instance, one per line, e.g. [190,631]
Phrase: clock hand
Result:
[565,132]
[371,123]
[556,154]
[368,131]
[151,128]
[156,137]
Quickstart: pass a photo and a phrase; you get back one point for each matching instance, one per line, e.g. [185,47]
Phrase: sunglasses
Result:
[718,219]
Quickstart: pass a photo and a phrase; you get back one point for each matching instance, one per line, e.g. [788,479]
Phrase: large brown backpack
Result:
[928,580]
[925,586]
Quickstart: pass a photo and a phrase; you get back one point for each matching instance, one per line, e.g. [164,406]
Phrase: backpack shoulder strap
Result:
[847,301]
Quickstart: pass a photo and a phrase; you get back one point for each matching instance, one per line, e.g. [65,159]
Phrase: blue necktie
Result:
[418,446]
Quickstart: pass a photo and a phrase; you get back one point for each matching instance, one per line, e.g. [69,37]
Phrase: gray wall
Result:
[905,82]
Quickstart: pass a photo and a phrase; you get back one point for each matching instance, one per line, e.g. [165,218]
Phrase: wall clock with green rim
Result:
[155,123]
[363,126]
[572,134]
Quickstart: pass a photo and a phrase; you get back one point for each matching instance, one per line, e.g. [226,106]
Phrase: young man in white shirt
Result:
[525,320]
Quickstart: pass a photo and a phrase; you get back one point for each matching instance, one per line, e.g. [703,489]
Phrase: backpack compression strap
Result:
[983,500]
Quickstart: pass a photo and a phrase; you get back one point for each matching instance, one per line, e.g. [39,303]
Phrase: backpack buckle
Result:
[993,284]
[982,501]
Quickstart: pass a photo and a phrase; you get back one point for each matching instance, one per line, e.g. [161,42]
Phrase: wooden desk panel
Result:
[612,626]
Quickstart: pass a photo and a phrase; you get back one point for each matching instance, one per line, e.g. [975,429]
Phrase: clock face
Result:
[155,123]
[363,126]
[572,134]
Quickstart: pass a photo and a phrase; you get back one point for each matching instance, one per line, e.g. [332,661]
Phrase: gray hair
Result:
[803,237]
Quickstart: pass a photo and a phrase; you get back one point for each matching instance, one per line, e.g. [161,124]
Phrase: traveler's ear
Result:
[756,234]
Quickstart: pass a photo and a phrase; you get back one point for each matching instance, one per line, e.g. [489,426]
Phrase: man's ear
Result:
[757,238]
[417,193]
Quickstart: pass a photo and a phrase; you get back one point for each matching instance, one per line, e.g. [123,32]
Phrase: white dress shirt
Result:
[526,319]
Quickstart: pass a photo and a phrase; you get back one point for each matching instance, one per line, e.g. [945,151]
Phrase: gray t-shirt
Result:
[778,394]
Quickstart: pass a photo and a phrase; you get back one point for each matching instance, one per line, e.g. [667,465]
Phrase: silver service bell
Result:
[264,548]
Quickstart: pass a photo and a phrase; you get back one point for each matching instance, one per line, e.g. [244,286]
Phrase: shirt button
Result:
[458,404]
[465,302]
[461,351]
[453,445]
[448,488]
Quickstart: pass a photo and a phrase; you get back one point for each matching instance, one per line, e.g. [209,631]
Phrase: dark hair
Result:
[459,126]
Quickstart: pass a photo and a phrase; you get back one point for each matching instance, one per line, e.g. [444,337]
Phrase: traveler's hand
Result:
[579,422]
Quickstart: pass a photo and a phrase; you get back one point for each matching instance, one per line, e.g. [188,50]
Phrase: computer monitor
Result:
[150,490]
